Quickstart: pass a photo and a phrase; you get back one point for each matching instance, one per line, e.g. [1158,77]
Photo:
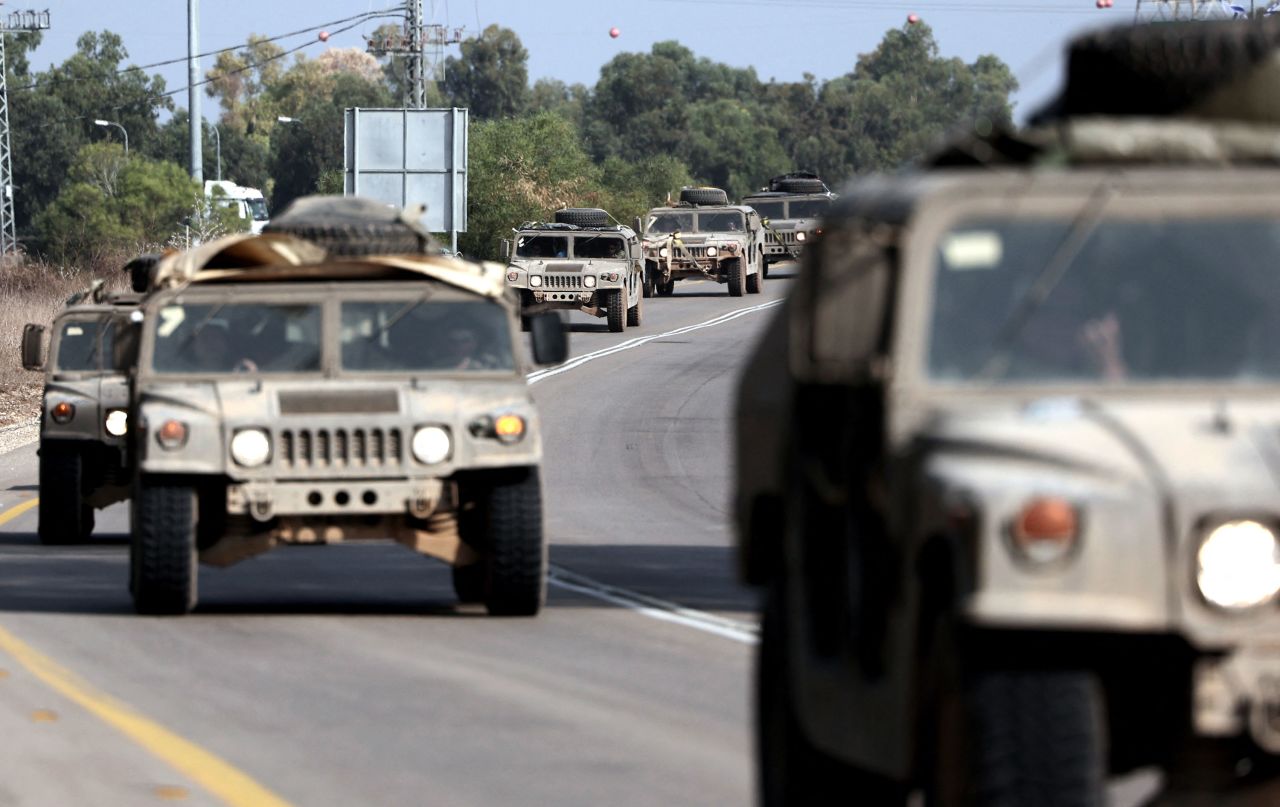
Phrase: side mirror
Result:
[33,347]
[505,250]
[550,338]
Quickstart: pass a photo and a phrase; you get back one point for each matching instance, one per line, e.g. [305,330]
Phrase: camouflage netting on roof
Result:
[1164,69]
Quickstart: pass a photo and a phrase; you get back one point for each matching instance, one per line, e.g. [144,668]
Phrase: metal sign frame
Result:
[410,157]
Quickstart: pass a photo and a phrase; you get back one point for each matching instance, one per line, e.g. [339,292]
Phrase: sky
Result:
[569,39]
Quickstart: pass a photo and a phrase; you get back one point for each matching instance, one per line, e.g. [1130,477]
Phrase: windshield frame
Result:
[933,218]
[329,296]
[103,319]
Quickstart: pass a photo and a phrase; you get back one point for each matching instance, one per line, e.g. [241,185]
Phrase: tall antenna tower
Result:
[410,43]
[15,22]
[1178,10]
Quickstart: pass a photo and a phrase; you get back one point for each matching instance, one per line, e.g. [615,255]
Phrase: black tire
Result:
[737,283]
[63,518]
[1027,738]
[755,283]
[469,582]
[790,770]
[582,217]
[351,227]
[666,288]
[651,275]
[635,314]
[515,551]
[801,185]
[704,196]
[616,309]
[162,554]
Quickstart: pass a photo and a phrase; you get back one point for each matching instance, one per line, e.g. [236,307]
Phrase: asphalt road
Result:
[347,675]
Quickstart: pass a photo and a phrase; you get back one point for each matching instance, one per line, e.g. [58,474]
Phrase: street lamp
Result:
[217,141]
[122,131]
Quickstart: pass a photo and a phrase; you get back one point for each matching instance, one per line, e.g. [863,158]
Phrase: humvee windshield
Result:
[86,345]
[542,246]
[237,337]
[808,208]
[1160,298]
[599,247]
[425,335]
[769,210]
[718,222]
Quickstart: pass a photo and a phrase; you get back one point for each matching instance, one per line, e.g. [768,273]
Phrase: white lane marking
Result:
[654,608]
[632,344]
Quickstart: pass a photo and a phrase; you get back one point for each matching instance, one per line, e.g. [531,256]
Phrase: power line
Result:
[362,18]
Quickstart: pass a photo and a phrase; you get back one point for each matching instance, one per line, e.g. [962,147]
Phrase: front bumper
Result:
[1239,693]
[265,500]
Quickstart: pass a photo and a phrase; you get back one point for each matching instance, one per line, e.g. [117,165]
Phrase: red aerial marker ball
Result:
[614,33]
[324,35]
[912,19]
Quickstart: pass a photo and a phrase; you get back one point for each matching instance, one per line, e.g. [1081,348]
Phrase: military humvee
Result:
[580,262]
[704,236]
[792,206]
[84,423]
[1009,461]
[346,386]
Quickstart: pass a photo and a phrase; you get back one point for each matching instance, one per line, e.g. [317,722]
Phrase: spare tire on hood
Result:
[352,226]
[704,196]
[582,217]
[802,185]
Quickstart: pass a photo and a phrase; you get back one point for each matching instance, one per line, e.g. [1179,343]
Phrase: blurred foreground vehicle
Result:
[1009,461]
[84,423]
[331,380]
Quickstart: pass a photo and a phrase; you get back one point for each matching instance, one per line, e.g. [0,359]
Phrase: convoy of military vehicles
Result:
[1007,455]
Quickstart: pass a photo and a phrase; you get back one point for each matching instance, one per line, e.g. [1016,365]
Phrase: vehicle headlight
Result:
[117,423]
[535,280]
[801,236]
[251,448]
[1238,565]
[712,252]
[431,444]
[662,253]
[589,281]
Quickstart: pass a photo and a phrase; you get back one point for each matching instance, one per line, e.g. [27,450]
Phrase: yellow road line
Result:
[17,510]
[211,773]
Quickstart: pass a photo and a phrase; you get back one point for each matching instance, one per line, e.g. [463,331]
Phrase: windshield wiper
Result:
[1050,276]
[401,314]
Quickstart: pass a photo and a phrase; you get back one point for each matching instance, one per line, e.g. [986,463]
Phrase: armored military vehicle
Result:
[1009,462]
[581,261]
[84,423]
[349,385]
[703,236]
[792,206]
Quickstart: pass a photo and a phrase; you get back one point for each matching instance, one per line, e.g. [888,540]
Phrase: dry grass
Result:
[32,291]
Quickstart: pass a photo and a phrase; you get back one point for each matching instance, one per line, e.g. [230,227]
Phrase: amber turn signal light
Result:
[1046,529]
[172,433]
[509,428]
[62,412]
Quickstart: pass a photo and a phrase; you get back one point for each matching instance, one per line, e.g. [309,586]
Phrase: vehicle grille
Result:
[695,252]
[787,237]
[319,449]
[562,281]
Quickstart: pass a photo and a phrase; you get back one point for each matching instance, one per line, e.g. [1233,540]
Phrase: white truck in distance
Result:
[247,202]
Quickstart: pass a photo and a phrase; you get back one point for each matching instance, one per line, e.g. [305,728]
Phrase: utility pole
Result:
[15,22]
[194,118]
[410,43]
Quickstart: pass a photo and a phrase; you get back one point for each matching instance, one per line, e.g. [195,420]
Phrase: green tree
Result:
[306,156]
[113,204]
[239,80]
[52,114]
[491,77]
